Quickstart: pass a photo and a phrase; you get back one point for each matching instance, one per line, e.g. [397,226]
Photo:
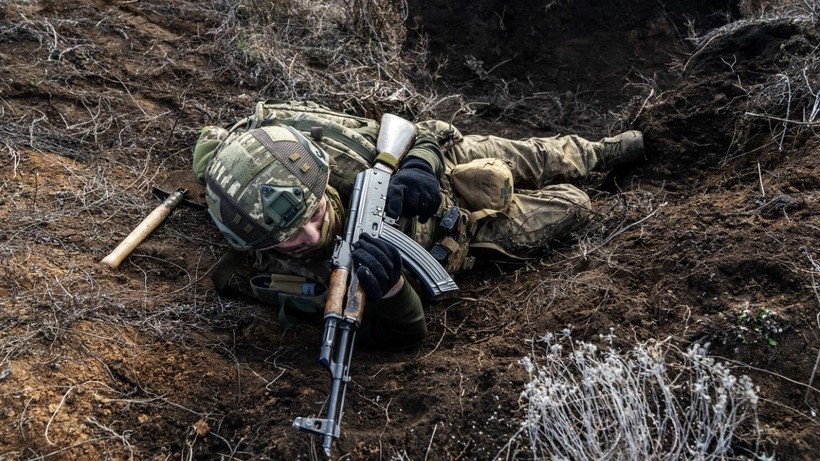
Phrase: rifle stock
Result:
[345,303]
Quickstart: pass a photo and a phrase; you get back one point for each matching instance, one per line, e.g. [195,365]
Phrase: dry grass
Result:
[347,54]
[785,100]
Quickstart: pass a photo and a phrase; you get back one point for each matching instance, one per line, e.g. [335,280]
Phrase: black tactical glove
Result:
[378,266]
[414,191]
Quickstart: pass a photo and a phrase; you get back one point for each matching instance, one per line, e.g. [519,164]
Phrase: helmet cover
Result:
[264,184]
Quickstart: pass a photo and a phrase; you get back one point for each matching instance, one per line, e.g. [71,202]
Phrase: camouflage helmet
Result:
[264,184]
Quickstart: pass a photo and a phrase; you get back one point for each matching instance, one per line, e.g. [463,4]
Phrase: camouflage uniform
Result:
[537,212]
[543,208]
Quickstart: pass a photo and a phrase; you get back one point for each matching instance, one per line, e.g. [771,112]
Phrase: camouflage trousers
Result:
[543,207]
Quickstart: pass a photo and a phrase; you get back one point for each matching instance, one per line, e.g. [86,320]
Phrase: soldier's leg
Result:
[535,218]
[536,162]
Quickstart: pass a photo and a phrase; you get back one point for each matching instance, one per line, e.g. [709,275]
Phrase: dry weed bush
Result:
[651,402]
[786,101]
[348,54]
[615,215]
[759,8]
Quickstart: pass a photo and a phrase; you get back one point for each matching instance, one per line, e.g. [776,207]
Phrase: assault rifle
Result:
[345,299]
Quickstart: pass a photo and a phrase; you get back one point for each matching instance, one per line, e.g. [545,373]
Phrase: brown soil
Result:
[147,362]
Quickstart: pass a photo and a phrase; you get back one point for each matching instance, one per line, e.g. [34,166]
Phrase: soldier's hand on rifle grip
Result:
[414,191]
[378,266]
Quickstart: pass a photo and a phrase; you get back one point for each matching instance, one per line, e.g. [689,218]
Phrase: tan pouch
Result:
[485,183]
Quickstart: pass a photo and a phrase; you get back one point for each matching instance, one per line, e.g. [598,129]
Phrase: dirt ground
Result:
[711,239]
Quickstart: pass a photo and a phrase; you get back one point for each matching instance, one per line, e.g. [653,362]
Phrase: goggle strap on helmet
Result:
[307,169]
[318,155]
[233,240]
[256,236]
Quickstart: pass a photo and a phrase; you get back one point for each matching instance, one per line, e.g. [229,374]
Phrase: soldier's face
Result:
[309,236]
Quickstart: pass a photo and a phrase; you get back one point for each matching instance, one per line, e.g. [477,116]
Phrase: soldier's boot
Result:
[616,150]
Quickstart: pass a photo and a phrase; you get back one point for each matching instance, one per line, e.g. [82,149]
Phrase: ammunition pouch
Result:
[294,295]
[484,184]
[451,251]
[485,187]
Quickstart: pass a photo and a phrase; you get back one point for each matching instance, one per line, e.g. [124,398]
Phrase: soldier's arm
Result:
[206,145]
[395,323]
[425,147]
